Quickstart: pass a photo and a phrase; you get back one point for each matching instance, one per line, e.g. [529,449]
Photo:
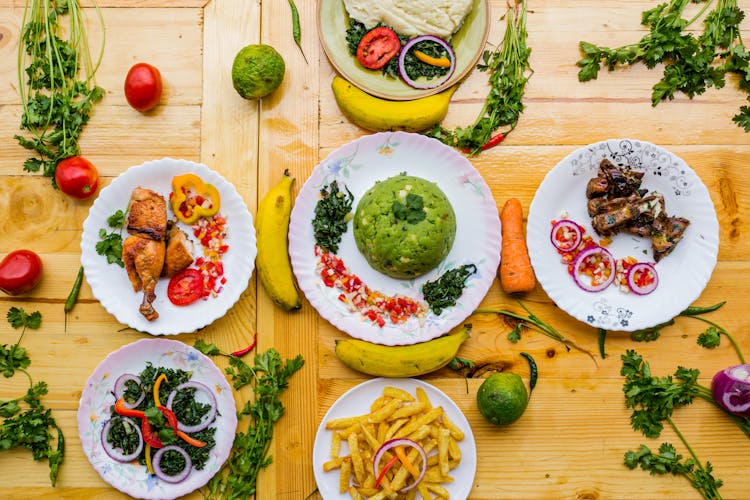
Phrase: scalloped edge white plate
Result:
[357,401]
[359,164]
[96,400]
[682,275]
[109,282]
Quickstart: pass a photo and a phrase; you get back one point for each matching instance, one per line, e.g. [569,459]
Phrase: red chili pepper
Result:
[494,141]
[247,349]
[149,436]
[385,469]
[126,412]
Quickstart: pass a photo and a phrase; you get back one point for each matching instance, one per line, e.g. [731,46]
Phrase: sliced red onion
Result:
[731,390]
[580,260]
[121,386]
[566,225]
[430,84]
[207,418]
[632,281]
[117,453]
[401,442]
[156,462]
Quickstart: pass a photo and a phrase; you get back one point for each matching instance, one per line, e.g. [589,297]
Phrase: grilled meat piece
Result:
[666,232]
[597,186]
[144,259]
[179,253]
[603,205]
[610,222]
[147,214]
[622,182]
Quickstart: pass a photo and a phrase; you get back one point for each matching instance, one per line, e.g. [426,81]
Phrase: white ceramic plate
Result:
[357,401]
[97,398]
[683,274]
[468,43]
[377,157]
[109,282]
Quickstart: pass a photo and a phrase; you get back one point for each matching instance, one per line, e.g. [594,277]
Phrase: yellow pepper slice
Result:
[149,466]
[442,62]
[161,378]
[401,454]
[191,198]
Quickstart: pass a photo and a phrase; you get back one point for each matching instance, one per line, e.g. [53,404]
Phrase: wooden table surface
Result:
[570,441]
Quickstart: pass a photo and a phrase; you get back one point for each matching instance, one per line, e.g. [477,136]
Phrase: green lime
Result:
[257,71]
[502,398]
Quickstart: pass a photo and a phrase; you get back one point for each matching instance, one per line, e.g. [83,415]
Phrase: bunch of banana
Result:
[272,263]
[400,361]
[381,115]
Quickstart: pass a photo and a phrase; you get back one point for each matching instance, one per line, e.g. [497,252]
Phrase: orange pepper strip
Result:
[190,440]
[126,412]
[161,378]
[442,62]
[401,454]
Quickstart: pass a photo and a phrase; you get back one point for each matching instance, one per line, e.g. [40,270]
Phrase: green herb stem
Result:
[728,335]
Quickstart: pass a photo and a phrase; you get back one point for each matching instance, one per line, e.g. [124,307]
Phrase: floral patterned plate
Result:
[683,274]
[97,398]
[358,165]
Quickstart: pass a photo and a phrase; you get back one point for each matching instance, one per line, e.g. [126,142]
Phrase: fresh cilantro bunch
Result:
[692,64]
[110,243]
[56,102]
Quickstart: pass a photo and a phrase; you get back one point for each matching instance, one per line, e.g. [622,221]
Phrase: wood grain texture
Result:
[570,441]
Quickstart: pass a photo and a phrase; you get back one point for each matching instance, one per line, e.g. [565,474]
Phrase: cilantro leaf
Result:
[710,339]
[411,212]
[18,318]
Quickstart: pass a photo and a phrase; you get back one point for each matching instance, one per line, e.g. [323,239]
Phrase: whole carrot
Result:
[516,273]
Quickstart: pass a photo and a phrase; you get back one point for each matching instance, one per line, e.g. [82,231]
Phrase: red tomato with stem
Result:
[77,177]
[377,47]
[20,272]
[143,87]
[185,287]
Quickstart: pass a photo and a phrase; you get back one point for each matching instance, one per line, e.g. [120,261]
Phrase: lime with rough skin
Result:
[257,71]
[502,398]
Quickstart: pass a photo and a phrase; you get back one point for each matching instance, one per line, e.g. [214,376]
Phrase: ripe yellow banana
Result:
[400,361]
[381,115]
[272,263]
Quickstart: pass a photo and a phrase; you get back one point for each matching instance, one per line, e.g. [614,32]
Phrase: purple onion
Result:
[156,463]
[570,226]
[207,419]
[731,390]
[117,454]
[430,84]
[121,386]
[579,260]
[401,442]
[643,267]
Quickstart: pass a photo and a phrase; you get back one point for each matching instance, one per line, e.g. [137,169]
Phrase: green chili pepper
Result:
[73,296]
[297,29]
[533,373]
[694,311]
[602,339]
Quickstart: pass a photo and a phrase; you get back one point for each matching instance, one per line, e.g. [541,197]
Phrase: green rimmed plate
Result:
[468,44]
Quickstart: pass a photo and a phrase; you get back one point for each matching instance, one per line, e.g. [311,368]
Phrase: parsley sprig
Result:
[509,70]
[56,103]
[110,243]
[269,377]
[692,64]
[29,428]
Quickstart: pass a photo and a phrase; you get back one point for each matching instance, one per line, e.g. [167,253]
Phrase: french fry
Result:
[397,393]
[423,398]
[355,494]
[443,440]
[379,403]
[335,463]
[384,412]
[371,440]
[433,475]
[457,433]
[426,418]
[438,489]
[453,450]
[345,475]
[359,469]
[408,410]
[335,445]
[394,427]
[342,423]
[422,488]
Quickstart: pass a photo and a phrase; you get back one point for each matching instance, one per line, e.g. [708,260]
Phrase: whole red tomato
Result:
[20,271]
[77,177]
[143,87]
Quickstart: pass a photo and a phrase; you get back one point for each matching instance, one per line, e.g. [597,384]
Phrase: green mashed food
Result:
[404,226]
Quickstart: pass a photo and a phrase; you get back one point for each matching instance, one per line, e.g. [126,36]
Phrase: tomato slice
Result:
[185,287]
[377,47]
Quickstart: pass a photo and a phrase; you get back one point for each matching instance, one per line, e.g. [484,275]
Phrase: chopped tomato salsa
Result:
[211,232]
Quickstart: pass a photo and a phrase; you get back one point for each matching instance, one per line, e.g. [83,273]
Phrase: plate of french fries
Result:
[379,411]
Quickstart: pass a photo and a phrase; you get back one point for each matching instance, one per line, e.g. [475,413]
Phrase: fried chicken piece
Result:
[143,260]
[147,214]
[179,254]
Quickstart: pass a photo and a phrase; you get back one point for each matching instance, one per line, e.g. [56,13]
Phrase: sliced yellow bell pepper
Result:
[442,62]
[157,383]
[191,198]
[149,465]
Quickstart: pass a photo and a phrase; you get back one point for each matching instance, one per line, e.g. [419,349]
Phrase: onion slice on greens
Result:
[584,281]
[429,84]
[389,445]
[121,387]
[569,239]
[637,283]
[731,390]
[156,461]
[118,453]
[207,418]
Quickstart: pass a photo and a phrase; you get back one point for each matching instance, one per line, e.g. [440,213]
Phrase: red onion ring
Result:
[569,225]
[430,84]
[643,267]
[156,463]
[120,387]
[117,453]
[580,259]
[207,419]
[401,442]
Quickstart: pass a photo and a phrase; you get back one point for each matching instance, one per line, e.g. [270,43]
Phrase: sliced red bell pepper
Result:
[149,436]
